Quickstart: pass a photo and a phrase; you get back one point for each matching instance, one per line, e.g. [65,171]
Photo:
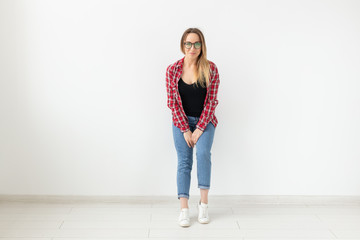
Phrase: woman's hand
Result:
[195,135]
[188,138]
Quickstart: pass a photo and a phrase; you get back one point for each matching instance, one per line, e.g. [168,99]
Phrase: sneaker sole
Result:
[205,222]
[184,225]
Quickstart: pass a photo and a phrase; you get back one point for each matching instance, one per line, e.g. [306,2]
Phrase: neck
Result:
[190,62]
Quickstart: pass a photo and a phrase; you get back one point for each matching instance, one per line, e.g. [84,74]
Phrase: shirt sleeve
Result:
[211,103]
[178,118]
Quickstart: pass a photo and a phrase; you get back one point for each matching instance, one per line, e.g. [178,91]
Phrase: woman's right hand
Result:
[187,136]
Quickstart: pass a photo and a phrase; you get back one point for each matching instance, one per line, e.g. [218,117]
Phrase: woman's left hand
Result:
[195,135]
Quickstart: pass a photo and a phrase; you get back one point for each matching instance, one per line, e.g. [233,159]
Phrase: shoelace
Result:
[203,211]
[183,215]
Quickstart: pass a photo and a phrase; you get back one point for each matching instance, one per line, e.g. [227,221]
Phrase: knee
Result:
[203,155]
[185,165]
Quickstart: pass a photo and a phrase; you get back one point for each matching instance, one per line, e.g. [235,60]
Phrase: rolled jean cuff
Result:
[183,195]
[203,187]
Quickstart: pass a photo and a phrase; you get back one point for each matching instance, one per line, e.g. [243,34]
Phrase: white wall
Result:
[83,99]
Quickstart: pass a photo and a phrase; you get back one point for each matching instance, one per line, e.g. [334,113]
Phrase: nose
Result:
[192,49]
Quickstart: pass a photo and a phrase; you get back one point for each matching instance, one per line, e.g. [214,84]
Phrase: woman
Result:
[192,85]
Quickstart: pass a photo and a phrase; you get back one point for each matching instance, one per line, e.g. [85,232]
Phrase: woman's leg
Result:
[204,195]
[185,162]
[203,157]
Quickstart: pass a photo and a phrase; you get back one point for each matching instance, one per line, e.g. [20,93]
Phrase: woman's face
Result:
[192,52]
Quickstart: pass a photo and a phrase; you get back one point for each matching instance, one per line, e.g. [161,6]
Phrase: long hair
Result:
[202,74]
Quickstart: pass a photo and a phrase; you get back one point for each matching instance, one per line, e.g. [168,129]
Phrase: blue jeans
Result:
[185,157]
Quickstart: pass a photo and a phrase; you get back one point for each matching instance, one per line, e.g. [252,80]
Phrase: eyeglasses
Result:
[188,45]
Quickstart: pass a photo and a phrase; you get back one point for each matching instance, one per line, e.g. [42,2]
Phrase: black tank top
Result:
[192,98]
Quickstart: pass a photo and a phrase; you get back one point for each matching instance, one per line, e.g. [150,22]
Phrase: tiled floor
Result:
[232,217]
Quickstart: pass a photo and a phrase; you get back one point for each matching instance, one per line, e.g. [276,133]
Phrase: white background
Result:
[83,98]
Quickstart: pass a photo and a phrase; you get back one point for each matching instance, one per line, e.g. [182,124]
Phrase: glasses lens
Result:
[198,45]
[188,44]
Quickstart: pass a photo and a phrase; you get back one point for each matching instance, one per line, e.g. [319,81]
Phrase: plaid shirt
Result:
[180,120]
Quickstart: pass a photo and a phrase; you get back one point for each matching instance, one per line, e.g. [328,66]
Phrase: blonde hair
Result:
[202,74]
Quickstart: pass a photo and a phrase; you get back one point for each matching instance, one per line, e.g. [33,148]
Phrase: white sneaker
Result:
[184,219]
[203,213]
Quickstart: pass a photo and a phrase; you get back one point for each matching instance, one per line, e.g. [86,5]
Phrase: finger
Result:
[190,144]
[187,142]
[191,141]
[194,140]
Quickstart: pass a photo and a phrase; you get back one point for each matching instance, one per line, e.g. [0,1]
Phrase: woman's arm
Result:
[172,103]
[211,102]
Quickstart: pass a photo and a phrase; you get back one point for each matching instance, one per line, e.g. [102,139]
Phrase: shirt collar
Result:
[180,63]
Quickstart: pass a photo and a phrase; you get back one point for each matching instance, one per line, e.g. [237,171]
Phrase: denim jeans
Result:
[185,157]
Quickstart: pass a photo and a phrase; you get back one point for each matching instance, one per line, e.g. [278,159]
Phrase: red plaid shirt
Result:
[173,74]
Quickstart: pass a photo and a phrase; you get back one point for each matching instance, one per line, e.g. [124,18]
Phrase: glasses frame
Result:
[192,44]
